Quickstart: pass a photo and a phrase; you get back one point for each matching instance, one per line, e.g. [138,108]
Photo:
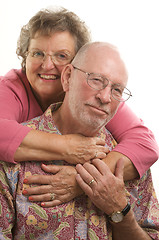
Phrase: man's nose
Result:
[105,95]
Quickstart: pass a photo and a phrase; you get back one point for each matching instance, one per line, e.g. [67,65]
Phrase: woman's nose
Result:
[48,62]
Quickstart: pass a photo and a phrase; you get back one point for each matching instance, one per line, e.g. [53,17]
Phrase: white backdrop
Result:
[130,25]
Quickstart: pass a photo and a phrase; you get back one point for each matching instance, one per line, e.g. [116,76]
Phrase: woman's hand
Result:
[73,148]
[80,149]
[61,185]
[105,189]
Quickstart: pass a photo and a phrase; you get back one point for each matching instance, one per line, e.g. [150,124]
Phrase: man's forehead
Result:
[109,65]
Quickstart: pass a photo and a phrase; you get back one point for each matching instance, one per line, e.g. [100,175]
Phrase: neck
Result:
[66,124]
[45,102]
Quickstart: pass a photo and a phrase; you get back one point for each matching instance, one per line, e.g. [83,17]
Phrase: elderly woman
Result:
[47,43]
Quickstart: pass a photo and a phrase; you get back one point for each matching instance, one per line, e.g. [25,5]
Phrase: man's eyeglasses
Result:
[99,82]
[58,58]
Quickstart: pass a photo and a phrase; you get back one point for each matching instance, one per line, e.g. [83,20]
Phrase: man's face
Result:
[90,107]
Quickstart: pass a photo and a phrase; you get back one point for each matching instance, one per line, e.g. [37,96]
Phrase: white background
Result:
[132,26]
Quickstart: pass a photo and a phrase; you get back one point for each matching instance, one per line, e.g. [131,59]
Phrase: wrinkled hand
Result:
[80,149]
[62,183]
[107,192]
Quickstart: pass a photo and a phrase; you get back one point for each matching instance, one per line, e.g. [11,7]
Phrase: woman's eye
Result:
[62,56]
[38,54]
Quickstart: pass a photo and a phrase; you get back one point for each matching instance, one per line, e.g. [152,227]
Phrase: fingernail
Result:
[42,204]
[30,198]
[24,192]
[25,180]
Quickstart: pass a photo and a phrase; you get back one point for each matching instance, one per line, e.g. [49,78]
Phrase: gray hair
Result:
[49,21]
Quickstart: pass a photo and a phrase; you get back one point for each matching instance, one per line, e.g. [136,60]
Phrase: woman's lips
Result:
[49,76]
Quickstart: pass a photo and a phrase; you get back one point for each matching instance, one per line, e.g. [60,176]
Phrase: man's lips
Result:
[98,109]
[49,76]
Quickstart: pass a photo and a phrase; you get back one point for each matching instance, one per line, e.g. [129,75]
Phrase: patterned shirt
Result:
[78,219]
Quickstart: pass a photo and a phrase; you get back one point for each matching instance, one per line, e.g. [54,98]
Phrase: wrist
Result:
[118,216]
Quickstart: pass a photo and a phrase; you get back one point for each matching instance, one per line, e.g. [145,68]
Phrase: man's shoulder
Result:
[107,136]
[45,121]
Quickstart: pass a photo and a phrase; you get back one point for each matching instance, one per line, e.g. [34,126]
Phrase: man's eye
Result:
[97,80]
[118,91]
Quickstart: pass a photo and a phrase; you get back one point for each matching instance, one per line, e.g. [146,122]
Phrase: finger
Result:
[100,155]
[100,141]
[51,168]
[51,203]
[101,166]
[44,195]
[37,190]
[100,152]
[86,173]
[44,189]
[84,186]
[103,149]
[92,170]
[38,179]
[58,199]
[40,198]
[119,170]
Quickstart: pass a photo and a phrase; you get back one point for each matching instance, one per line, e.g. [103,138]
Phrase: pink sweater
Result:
[18,104]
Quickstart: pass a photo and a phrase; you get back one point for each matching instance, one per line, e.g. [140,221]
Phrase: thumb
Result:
[51,168]
[119,170]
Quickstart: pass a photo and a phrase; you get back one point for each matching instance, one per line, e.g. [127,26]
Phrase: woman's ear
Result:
[65,77]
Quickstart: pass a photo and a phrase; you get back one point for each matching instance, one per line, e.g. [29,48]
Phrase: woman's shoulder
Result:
[15,79]
[13,75]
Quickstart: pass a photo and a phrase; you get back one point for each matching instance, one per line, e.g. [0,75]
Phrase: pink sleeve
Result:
[11,115]
[135,140]
[11,136]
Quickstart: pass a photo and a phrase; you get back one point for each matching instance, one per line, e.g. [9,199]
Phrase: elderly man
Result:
[94,84]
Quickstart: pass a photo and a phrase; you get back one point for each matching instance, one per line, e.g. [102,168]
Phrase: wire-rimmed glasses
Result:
[58,58]
[99,82]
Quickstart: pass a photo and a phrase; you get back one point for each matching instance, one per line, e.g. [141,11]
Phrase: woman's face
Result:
[44,74]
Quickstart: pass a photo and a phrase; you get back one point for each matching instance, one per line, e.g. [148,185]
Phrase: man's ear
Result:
[65,77]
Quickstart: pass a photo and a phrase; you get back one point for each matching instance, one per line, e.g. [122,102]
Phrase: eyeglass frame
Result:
[108,80]
[52,56]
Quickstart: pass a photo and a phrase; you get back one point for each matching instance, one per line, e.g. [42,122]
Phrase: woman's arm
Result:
[15,108]
[73,148]
[135,140]
[130,171]
[21,143]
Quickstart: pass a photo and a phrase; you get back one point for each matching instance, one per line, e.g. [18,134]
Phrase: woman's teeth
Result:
[49,77]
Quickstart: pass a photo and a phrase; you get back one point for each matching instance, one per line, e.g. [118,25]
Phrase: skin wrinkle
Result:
[85,118]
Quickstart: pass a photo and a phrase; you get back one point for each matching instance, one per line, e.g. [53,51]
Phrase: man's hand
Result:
[61,184]
[105,189]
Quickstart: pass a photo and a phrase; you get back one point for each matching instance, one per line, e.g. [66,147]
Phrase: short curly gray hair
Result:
[48,21]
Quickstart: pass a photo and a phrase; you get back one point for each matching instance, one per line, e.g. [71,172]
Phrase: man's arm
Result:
[7,210]
[108,193]
[129,229]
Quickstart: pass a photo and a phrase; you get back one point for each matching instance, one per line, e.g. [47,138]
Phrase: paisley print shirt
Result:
[78,219]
